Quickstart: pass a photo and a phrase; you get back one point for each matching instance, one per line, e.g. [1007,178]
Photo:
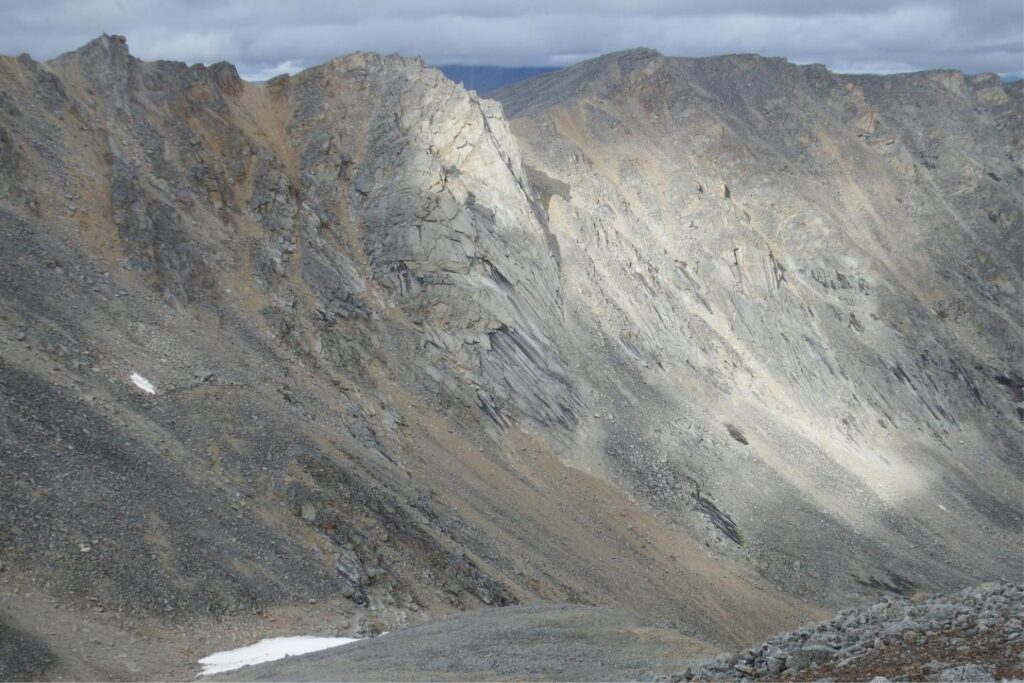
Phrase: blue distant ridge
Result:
[485,79]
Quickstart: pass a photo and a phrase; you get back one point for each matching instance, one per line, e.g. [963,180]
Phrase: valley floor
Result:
[976,634]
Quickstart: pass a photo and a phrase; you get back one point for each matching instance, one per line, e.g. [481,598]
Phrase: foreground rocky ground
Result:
[971,635]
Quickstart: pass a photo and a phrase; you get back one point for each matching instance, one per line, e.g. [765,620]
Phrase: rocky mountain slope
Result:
[716,342]
[796,302]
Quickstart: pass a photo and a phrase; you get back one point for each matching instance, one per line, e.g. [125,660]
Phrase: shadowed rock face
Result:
[727,335]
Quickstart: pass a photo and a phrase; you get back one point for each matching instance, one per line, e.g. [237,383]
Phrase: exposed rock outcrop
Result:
[795,300]
[967,636]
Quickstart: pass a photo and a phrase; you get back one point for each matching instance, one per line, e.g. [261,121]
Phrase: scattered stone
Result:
[308,512]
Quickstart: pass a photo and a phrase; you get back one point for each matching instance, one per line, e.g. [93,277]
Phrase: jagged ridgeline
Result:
[716,342]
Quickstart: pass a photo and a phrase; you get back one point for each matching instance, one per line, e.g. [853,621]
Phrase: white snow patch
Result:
[143,383]
[267,651]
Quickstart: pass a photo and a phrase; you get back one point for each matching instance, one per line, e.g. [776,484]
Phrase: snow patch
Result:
[267,651]
[143,383]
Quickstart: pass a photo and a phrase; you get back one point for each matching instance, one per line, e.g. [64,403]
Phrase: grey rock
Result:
[308,512]
[726,661]
[967,673]
[776,665]
[804,657]
[351,569]
[989,618]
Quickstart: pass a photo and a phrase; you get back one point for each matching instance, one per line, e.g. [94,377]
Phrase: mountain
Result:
[717,343]
[486,79]
[798,294]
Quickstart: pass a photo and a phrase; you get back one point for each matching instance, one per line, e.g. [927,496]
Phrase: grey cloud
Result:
[264,37]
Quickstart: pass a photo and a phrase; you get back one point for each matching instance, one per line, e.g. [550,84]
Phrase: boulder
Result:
[802,658]
[966,673]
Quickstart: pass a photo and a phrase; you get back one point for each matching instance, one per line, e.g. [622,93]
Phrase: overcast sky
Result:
[267,37]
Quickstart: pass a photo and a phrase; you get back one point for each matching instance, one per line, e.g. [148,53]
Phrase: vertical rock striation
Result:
[797,302]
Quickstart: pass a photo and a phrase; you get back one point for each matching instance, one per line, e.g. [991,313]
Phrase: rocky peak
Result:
[114,45]
[225,75]
[104,52]
[633,57]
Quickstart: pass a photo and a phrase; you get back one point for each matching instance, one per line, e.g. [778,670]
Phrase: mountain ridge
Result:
[486,78]
[415,351]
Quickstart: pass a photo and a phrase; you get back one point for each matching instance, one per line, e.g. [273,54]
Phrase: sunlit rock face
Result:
[796,303]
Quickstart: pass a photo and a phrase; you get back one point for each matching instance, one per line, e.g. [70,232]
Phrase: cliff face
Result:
[725,336]
[804,290]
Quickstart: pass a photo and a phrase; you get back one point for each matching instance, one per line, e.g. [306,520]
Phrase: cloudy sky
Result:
[267,37]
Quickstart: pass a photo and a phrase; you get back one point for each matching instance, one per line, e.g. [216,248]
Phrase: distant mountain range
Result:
[485,79]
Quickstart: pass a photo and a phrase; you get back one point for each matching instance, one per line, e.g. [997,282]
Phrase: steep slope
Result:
[291,356]
[795,306]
